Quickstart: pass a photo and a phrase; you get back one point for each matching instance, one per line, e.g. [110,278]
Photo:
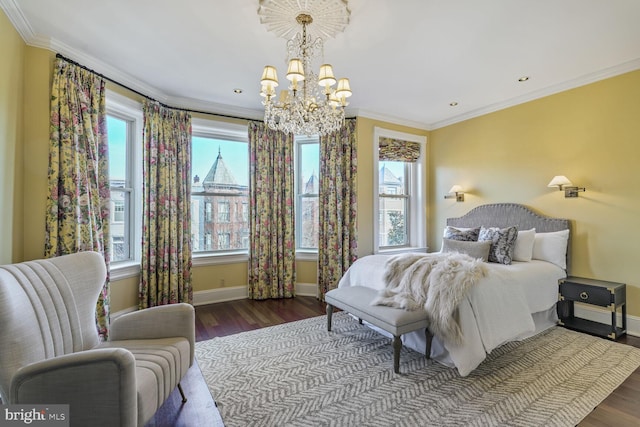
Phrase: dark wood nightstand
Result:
[611,295]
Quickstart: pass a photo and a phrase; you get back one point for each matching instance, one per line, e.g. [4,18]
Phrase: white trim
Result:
[124,270]
[541,93]
[389,119]
[17,18]
[232,293]
[212,296]
[306,255]
[307,289]
[205,258]
[216,128]
[601,315]
[130,110]
[418,190]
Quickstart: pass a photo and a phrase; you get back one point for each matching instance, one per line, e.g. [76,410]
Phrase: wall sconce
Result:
[456,191]
[563,183]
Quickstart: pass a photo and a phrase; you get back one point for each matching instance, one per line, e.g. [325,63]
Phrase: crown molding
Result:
[17,19]
[215,108]
[385,118]
[583,80]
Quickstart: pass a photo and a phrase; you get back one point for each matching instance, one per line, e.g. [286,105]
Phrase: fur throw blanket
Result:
[436,282]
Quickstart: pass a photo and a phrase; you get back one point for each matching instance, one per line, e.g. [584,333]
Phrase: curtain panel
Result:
[77,215]
[166,223]
[272,264]
[337,239]
[398,150]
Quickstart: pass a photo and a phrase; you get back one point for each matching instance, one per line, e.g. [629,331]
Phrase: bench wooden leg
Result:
[429,337]
[397,346]
[329,314]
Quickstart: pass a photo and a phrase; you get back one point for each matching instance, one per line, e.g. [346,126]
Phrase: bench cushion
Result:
[357,301]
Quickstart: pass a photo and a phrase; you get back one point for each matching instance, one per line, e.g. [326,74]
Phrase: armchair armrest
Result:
[164,321]
[98,385]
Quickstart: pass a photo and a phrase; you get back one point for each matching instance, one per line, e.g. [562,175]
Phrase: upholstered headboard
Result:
[509,214]
[512,214]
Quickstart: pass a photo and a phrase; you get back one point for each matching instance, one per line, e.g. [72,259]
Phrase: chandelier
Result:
[310,105]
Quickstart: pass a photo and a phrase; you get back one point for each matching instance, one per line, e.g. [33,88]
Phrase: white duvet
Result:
[498,309]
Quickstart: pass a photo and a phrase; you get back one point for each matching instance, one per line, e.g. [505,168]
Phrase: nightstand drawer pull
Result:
[584,295]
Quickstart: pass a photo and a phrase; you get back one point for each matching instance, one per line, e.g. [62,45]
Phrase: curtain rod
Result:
[58,55]
[142,94]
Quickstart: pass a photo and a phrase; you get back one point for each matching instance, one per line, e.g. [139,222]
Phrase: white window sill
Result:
[219,259]
[402,250]
[123,270]
[306,255]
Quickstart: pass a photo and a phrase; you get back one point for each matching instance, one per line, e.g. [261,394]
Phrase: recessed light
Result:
[523,79]
[453,104]
[237,90]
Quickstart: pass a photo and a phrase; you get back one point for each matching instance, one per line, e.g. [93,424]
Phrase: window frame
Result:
[216,129]
[303,253]
[417,197]
[124,108]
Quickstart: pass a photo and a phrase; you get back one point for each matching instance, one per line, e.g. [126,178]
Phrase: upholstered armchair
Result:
[50,352]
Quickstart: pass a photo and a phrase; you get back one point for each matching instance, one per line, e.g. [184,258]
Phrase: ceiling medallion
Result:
[310,105]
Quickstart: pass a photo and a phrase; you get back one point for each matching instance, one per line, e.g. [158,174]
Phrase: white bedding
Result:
[500,308]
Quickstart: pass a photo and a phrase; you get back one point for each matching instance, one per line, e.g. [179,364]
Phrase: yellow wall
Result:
[590,134]
[37,76]
[12,52]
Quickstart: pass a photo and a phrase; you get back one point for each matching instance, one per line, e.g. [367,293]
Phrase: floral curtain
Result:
[166,223]
[272,261]
[337,240]
[77,216]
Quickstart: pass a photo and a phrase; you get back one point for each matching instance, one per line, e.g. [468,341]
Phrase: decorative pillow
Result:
[552,247]
[464,235]
[473,249]
[502,243]
[523,249]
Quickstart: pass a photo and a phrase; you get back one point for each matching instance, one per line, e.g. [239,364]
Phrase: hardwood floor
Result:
[621,408]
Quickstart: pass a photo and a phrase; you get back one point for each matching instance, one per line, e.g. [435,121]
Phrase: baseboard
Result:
[212,296]
[596,314]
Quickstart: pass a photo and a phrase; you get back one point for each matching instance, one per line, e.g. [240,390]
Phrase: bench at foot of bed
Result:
[356,300]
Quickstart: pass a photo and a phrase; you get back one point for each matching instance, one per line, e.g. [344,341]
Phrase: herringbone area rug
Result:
[298,374]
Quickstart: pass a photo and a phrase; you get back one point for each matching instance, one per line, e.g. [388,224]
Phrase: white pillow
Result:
[552,247]
[523,251]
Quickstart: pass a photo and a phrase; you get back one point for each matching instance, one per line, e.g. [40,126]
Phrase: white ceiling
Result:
[407,60]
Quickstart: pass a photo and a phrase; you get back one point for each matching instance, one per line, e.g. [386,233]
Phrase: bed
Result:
[511,302]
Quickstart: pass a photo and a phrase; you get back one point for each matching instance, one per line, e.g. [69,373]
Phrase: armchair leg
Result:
[184,398]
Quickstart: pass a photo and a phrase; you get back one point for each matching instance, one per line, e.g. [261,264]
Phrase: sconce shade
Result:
[456,192]
[563,183]
[560,181]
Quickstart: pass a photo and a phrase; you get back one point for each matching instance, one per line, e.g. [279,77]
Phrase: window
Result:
[393,203]
[307,188]
[400,199]
[208,212]
[220,188]
[118,211]
[124,133]
[223,211]
[224,240]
